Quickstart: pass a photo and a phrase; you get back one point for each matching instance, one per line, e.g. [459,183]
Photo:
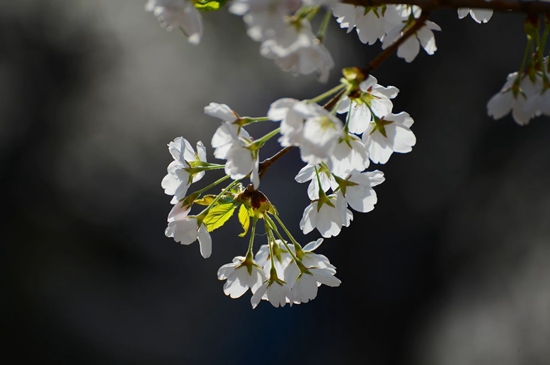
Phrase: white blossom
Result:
[368,22]
[295,48]
[387,135]
[241,276]
[370,98]
[479,15]
[178,179]
[307,173]
[327,217]
[349,154]
[410,48]
[359,192]
[178,14]
[520,98]
[186,230]
[232,143]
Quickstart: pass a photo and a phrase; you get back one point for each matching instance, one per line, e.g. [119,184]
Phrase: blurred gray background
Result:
[452,267]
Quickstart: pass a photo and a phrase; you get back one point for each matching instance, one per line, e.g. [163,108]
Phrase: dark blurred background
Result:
[452,267]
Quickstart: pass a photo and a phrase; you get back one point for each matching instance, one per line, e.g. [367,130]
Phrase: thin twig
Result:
[419,23]
[266,164]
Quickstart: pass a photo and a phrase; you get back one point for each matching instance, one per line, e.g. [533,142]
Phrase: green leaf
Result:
[218,215]
[209,5]
[244,219]
[205,200]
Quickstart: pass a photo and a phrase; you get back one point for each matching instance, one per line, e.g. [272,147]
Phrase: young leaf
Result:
[244,219]
[218,215]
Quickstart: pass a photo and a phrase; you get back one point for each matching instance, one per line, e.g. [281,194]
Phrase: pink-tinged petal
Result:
[178,212]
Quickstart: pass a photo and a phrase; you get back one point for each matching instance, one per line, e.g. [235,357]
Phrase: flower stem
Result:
[323,27]
[325,95]
[220,180]
[261,141]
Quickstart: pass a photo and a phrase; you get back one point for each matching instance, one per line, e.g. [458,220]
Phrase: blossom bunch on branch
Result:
[339,133]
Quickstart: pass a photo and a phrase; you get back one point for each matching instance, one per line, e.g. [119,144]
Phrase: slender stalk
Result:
[220,180]
[324,25]
[266,164]
[419,23]
[325,95]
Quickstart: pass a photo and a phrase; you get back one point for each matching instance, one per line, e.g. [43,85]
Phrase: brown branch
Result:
[419,23]
[266,164]
[521,6]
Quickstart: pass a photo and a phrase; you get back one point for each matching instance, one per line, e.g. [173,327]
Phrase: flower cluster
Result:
[337,141]
[280,273]
[336,154]
[526,93]
[387,23]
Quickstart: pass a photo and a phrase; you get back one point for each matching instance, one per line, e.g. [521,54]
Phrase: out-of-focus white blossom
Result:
[178,14]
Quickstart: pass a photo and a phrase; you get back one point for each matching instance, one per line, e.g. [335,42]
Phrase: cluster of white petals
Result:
[525,95]
[289,41]
[178,14]
[232,143]
[387,24]
[279,279]
[338,142]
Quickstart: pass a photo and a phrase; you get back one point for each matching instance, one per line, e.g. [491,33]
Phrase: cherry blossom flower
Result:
[232,143]
[241,275]
[186,230]
[314,270]
[328,215]
[295,48]
[178,14]
[349,154]
[368,22]
[410,48]
[276,292]
[307,173]
[389,134]
[319,134]
[370,98]
[178,179]
[479,15]
[358,190]
[517,97]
